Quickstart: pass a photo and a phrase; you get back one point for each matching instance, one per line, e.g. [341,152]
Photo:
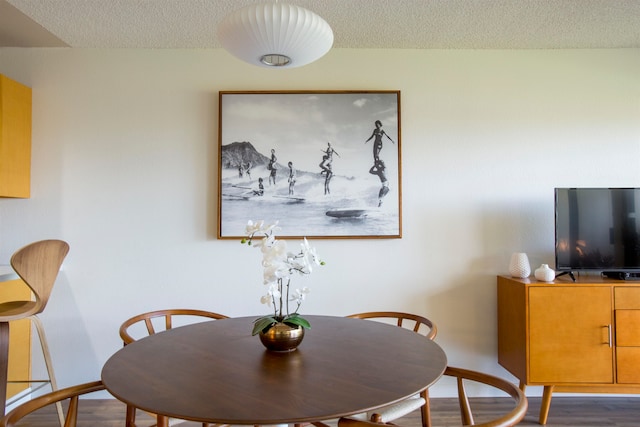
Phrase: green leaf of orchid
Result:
[262,323]
[297,320]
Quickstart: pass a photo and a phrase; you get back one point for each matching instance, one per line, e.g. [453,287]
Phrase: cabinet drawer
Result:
[628,359]
[628,328]
[627,298]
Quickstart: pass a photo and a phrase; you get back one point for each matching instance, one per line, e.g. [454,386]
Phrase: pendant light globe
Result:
[275,35]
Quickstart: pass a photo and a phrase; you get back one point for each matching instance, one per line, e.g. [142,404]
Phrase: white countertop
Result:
[7,273]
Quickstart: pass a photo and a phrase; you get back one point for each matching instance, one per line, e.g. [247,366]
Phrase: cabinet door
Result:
[570,328]
[15,139]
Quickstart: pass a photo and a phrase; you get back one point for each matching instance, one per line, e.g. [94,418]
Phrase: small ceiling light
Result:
[275,35]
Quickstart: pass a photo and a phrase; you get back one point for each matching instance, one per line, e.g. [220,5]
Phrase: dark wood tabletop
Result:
[217,372]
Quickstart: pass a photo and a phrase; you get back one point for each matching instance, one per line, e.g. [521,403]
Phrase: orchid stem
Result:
[288,283]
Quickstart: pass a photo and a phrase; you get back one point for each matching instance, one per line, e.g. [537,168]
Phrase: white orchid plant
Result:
[279,265]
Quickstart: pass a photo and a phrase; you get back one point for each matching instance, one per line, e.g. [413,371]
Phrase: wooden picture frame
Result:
[345,153]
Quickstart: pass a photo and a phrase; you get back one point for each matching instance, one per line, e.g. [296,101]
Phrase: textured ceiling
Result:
[398,24]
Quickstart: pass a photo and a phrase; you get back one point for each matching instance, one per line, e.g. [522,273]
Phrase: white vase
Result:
[544,273]
[519,265]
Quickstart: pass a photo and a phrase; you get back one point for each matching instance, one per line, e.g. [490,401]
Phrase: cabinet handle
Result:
[609,336]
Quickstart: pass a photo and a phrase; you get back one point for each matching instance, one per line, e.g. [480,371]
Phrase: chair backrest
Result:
[508,419]
[419,324]
[511,418]
[150,327]
[38,265]
[71,393]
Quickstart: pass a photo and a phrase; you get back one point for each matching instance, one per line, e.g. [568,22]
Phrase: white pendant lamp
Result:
[275,35]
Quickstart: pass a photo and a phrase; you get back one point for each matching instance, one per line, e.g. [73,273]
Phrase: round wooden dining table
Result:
[216,372]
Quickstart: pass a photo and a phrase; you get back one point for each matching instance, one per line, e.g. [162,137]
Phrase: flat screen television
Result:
[597,229]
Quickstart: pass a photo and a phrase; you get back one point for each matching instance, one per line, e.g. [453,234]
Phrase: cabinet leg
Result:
[4,362]
[546,403]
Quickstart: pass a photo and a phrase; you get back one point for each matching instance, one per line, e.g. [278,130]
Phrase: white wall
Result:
[124,169]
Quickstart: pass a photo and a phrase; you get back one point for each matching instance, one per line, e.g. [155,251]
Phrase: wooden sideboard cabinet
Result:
[573,337]
[12,288]
[15,139]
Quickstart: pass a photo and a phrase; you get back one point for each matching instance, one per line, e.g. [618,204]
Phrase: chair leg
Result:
[4,363]
[426,409]
[49,364]
[465,408]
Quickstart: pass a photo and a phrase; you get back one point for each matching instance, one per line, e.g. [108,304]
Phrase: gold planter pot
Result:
[282,337]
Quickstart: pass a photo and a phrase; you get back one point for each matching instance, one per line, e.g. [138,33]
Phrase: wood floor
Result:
[565,412]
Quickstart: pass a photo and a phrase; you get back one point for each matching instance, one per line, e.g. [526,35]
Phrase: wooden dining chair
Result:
[463,376]
[38,265]
[421,325]
[69,395]
[149,323]
[417,323]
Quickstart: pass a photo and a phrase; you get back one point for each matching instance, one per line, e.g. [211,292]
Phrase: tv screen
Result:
[597,229]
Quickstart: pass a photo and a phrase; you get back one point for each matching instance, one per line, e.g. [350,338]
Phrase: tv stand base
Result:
[570,273]
[621,275]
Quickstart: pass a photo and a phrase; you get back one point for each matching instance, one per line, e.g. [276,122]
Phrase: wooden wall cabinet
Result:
[581,337]
[15,139]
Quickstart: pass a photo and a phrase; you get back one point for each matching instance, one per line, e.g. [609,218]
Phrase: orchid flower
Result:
[299,295]
[253,227]
[275,249]
[278,267]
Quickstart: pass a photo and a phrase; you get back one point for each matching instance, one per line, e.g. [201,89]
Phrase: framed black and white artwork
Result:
[324,164]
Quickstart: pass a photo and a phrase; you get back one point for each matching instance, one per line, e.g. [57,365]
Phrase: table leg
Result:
[546,403]
[4,362]
[162,421]
[131,416]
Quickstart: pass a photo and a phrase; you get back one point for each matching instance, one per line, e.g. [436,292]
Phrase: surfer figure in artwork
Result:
[378,133]
[273,167]
[330,152]
[325,165]
[379,169]
[292,178]
[327,179]
[327,158]
[260,190]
